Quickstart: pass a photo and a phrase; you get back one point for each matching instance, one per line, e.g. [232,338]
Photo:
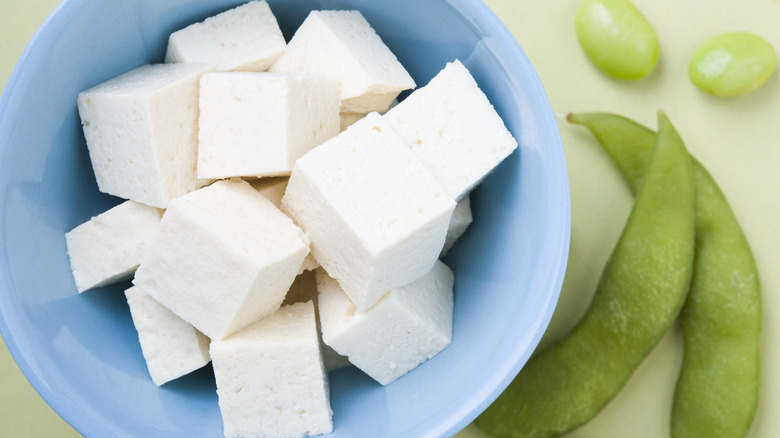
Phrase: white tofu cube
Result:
[343,46]
[453,128]
[223,258]
[142,132]
[243,38]
[171,347]
[460,221]
[108,248]
[258,124]
[408,326]
[270,377]
[376,216]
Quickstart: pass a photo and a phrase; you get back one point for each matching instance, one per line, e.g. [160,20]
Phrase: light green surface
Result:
[737,139]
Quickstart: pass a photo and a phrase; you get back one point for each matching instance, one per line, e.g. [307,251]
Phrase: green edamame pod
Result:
[717,391]
[639,295]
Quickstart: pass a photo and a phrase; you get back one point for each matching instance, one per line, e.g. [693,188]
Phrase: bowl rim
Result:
[484,19]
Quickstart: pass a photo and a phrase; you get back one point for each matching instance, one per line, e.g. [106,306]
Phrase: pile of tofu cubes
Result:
[284,214]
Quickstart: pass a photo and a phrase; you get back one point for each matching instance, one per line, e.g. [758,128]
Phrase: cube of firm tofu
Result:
[270,377]
[171,346]
[453,128]
[258,124]
[243,38]
[376,216]
[108,248]
[223,258]
[460,221]
[142,132]
[343,46]
[407,326]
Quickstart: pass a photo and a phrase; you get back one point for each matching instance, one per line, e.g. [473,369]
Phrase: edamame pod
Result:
[717,391]
[639,295]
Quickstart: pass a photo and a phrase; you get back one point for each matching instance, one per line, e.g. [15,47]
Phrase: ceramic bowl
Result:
[81,352]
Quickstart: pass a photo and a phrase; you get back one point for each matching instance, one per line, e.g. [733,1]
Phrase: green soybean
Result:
[616,38]
[639,295]
[731,64]
[717,391]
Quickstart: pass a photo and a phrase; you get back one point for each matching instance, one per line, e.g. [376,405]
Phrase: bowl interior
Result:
[81,351]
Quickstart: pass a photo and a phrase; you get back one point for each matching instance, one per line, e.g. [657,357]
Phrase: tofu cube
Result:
[460,221]
[408,326]
[258,124]
[108,248]
[270,377]
[141,129]
[243,38]
[343,46]
[453,128]
[376,216]
[171,347]
[223,258]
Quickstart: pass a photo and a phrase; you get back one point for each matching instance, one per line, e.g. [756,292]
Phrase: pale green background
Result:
[737,139]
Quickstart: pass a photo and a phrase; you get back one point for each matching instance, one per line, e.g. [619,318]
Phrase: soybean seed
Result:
[731,64]
[617,38]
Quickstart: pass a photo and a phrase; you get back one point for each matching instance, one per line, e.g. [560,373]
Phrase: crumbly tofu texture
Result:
[141,129]
[376,216]
[270,377]
[171,347]
[459,223]
[343,46]
[108,248]
[243,38]
[258,124]
[408,326]
[223,258]
[454,129]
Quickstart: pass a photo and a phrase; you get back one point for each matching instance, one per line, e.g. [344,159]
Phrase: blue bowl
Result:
[81,352]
